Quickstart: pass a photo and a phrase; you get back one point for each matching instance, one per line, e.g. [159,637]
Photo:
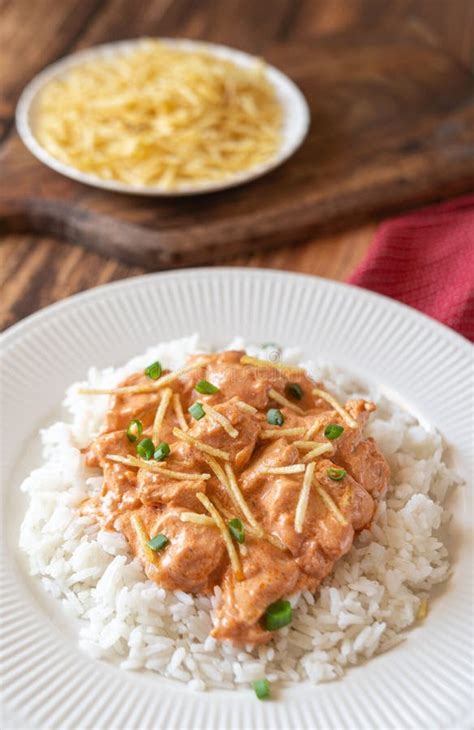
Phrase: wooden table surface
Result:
[35,272]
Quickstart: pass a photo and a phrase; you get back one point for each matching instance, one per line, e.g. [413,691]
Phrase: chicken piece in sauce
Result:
[234,437]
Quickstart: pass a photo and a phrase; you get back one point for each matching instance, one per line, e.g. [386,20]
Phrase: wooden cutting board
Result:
[392,127]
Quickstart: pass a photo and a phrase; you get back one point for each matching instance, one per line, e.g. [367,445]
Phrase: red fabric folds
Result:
[426,260]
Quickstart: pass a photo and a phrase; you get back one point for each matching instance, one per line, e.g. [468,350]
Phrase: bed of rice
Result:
[374,594]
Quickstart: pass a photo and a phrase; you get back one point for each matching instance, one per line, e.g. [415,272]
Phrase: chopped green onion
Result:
[336,474]
[146,448]
[262,688]
[197,411]
[134,430]
[154,370]
[162,451]
[158,542]
[333,431]
[266,345]
[206,388]
[295,390]
[275,417]
[277,615]
[236,529]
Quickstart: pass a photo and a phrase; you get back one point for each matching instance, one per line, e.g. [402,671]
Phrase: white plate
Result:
[296,116]
[423,683]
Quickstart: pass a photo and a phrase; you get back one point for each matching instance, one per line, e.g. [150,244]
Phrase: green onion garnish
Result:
[134,430]
[275,417]
[154,370]
[236,529]
[336,474]
[333,431]
[206,388]
[277,615]
[146,448]
[162,451]
[197,411]
[294,390]
[262,688]
[158,542]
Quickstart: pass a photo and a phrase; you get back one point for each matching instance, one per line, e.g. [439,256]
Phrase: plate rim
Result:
[428,321]
[278,79]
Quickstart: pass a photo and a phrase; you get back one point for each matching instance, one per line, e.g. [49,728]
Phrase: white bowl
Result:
[296,116]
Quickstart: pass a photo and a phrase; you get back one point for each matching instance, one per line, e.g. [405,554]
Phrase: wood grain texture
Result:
[36,271]
[20,57]
[382,139]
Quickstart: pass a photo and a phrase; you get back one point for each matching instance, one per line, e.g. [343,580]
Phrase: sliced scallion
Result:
[162,451]
[134,430]
[336,474]
[236,529]
[158,542]
[275,417]
[277,615]
[333,431]
[262,688]
[197,411]
[206,388]
[154,370]
[146,448]
[294,390]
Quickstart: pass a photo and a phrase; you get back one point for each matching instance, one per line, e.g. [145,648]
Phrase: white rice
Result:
[363,608]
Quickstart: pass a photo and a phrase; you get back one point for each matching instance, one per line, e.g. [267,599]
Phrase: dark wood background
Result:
[35,271]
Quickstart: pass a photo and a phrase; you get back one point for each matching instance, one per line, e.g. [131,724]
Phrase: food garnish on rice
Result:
[379,584]
[313,502]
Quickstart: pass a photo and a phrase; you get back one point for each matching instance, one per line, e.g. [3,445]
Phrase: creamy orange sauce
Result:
[195,558]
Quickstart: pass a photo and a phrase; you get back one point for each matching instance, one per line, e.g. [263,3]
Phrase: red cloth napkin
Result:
[426,259]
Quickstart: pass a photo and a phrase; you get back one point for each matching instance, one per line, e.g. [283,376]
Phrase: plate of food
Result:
[162,117]
[236,498]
